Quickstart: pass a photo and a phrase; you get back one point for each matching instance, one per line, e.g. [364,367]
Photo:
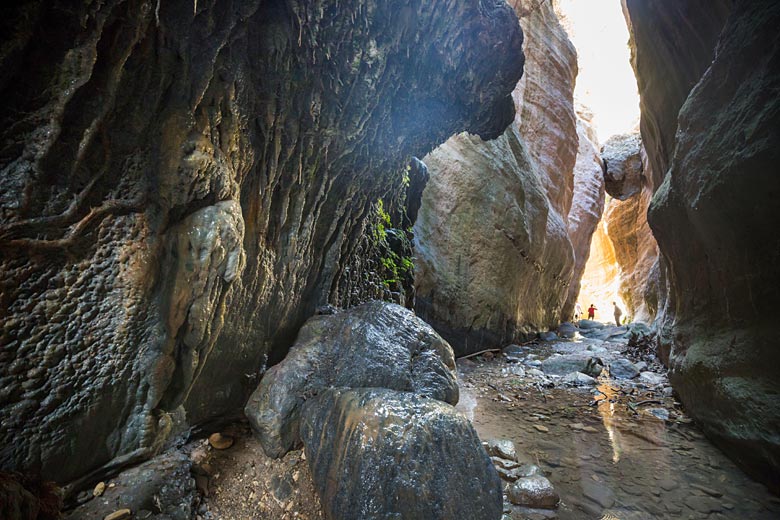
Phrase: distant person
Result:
[618,314]
[591,312]
[577,312]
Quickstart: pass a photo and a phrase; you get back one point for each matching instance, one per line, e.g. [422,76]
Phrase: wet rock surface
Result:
[131,127]
[378,453]
[162,489]
[604,451]
[376,344]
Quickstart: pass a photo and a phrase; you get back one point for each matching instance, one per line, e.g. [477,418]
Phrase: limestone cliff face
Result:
[493,255]
[493,259]
[630,184]
[545,112]
[587,205]
[183,183]
[715,218]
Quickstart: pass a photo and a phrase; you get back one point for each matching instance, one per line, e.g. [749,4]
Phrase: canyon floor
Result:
[614,449]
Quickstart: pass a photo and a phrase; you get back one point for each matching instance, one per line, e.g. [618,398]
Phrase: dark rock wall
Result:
[715,217]
[183,183]
[672,44]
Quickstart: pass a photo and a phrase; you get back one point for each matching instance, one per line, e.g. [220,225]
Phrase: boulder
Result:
[623,369]
[534,491]
[566,364]
[590,324]
[377,344]
[651,378]
[377,453]
[623,170]
[567,330]
[503,448]
[548,336]
[578,379]
[163,484]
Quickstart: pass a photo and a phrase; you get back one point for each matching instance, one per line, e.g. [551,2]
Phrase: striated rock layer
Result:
[494,260]
[586,208]
[715,218]
[183,183]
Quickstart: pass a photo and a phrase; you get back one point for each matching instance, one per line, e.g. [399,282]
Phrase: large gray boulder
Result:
[377,344]
[566,364]
[377,453]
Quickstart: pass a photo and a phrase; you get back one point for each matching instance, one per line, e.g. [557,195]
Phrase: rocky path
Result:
[613,448]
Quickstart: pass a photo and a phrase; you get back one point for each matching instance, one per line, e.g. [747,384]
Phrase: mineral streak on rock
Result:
[239,144]
[412,457]
[494,260]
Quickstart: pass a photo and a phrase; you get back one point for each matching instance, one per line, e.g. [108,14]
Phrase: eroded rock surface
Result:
[623,173]
[260,134]
[715,218]
[494,259]
[375,345]
[378,453]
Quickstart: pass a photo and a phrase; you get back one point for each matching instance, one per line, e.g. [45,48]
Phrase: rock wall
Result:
[183,183]
[715,217]
[667,68]
[587,205]
[494,260]
[629,181]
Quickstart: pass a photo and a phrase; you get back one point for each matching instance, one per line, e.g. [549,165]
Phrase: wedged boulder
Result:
[623,172]
[566,364]
[377,344]
[377,453]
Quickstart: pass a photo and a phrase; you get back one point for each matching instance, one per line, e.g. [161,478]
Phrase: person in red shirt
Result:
[591,312]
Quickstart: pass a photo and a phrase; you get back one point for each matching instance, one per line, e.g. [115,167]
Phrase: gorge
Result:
[204,203]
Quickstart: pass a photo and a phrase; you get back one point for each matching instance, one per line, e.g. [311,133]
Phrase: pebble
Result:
[220,442]
[541,428]
[120,514]
[99,489]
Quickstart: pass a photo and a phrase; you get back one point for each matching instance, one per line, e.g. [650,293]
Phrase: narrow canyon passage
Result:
[389,259]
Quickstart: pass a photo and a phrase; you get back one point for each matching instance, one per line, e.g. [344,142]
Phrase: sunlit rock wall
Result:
[586,209]
[716,218]
[183,183]
[629,182]
[493,256]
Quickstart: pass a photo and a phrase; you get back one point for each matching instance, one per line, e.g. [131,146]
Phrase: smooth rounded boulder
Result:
[377,344]
[377,453]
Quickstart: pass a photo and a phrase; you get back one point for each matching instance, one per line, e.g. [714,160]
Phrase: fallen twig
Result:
[480,352]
